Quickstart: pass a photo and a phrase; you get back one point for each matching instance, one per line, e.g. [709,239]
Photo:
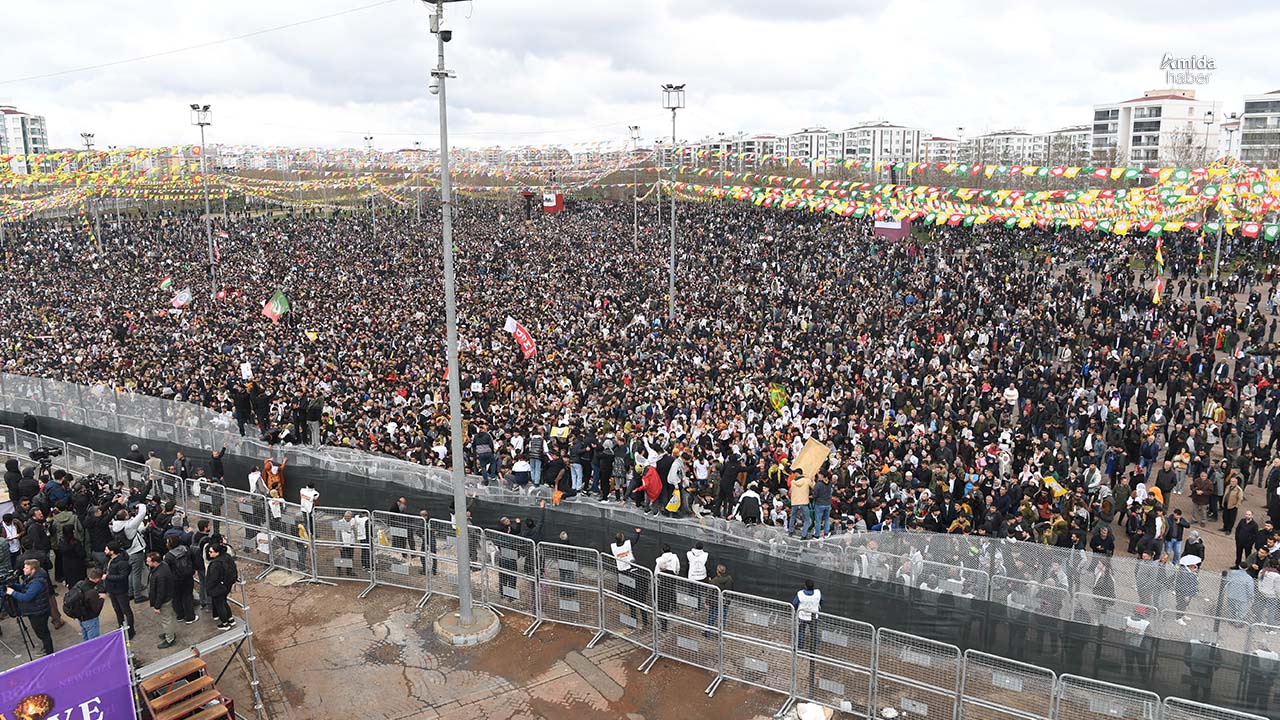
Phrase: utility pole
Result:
[673,100]
[373,208]
[201,116]
[635,188]
[439,76]
[93,204]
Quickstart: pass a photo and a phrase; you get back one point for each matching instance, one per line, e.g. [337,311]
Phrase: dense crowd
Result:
[1003,382]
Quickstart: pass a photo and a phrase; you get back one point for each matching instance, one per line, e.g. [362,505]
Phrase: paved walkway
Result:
[329,655]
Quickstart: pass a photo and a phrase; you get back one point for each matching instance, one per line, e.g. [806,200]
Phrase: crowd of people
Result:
[93,541]
[1011,383]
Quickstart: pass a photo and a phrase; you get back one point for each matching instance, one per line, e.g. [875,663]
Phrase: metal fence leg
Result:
[373,561]
[599,608]
[271,554]
[537,595]
[311,550]
[653,627]
[715,682]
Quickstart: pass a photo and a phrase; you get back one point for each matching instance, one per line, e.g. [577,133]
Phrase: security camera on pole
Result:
[470,624]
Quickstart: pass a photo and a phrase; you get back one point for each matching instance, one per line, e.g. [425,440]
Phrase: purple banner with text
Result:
[89,681]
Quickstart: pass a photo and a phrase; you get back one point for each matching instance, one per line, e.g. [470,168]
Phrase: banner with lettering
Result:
[522,336]
[88,681]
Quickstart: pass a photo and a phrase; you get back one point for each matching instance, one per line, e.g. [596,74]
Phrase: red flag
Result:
[522,336]
[1250,229]
[552,202]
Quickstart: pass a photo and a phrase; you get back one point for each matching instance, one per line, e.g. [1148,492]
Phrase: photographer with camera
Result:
[127,532]
[31,594]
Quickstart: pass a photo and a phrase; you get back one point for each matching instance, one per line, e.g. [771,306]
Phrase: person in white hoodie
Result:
[697,563]
[668,563]
[134,547]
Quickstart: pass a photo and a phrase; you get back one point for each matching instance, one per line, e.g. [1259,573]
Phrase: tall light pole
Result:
[417,158]
[657,196]
[202,117]
[1208,123]
[87,137]
[373,210]
[635,188]
[439,76]
[1231,125]
[673,100]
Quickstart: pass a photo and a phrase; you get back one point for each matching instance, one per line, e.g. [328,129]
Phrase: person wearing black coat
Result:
[12,478]
[73,557]
[1246,537]
[30,424]
[160,594]
[117,587]
[242,408]
[220,578]
[28,486]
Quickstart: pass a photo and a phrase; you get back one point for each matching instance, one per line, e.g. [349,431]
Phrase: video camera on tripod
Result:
[45,454]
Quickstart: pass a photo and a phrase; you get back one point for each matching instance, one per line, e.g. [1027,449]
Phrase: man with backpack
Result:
[178,558]
[220,577]
[83,602]
[160,591]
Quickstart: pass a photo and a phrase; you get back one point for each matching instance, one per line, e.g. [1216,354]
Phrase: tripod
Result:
[10,608]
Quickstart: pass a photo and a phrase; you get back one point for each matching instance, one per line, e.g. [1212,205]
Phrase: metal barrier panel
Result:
[1031,596]
[244,507]
[341,544]
[168,487]
[444,538]
[1179,709]
[687,626]
[25,442]
[60,461]
[511,578]
[243,541]
[628,601]
[135,474]
[916,676]
[20,404]
[8,442]
[1205,630]
[569,583]
[79,459]
[759,641]
[132,426]
[400,551]
[290,538]
[835,664]
[105,464]
[1081,698]
[995,688]
[101,420]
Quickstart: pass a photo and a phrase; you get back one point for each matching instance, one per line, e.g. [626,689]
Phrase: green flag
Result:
[278,305]
[777,396]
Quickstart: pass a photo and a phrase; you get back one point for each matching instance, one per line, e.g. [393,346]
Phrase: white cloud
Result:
[580,70]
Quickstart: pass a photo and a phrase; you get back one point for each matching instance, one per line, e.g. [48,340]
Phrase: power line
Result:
[174,51]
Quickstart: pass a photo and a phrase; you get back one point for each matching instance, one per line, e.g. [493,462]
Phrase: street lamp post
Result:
[1232,124]
[1208,123]
[657,196]
[417,203]
[202,117]
[87,137]
[673,100]
[635,189]
[439,75]
[373,209]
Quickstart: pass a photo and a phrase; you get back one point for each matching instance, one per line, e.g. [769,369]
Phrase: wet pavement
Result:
[329,655]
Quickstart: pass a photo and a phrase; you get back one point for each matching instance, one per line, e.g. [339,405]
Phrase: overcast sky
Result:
[564,71]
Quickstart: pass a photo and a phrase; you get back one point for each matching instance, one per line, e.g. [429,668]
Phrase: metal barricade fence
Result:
[444,539]
[835,666]
[290,538]
[627,601]
[135,474]
[25,442]
[1204,630]
[1081,698]
[1030,596]
[79,460]
[1179,709]
[569,582]
[105,464]
[250,544]
[400,553]
[688,629]
[101,420]
[8,443]
[339,552]
[916,676]
[511,578]
[1261,670]
[996,688]
[759,638]
[60,460]
[242,507]
[168,487]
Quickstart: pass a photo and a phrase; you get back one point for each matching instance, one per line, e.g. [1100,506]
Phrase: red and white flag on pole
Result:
[552,202]
[522,336]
